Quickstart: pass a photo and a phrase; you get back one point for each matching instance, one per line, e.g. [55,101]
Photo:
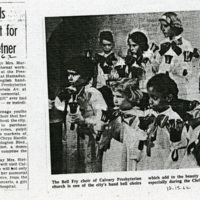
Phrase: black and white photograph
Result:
[99,99]
[123,92]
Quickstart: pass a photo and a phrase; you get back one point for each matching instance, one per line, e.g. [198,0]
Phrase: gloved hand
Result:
[146,121]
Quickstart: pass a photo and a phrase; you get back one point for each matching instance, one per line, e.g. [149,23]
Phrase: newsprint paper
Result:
[99,99]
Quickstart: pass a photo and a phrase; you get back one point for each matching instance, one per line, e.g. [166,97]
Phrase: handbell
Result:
[175,130]
[187,56]
[168,59]
[121,70]
[73,109]
[146,121]
[104,116]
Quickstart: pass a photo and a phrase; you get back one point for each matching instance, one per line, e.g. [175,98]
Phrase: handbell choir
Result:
[105,128]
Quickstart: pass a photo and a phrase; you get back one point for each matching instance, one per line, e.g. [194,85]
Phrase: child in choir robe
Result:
[175,53]
[192,155]
[139,58]
[84,105]
[126,98]
[166,140]
[110,66]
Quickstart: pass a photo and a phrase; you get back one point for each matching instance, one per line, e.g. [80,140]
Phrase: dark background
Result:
[122,25]
[67,37]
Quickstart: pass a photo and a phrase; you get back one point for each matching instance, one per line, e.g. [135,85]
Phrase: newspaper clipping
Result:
[99,99]
[13,123]
[124,96]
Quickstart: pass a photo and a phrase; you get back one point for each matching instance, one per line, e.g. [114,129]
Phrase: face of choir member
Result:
[120,101]
[166,29]
[156,100]
[107,46]
[73,76]
[133,47]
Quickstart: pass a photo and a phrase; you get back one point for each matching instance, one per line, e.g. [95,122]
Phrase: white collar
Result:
[105,55]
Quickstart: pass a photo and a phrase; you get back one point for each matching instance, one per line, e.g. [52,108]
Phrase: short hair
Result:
[173,21]
[129,88]
[140,39]
[106,35]
[163,84]
[81,65]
